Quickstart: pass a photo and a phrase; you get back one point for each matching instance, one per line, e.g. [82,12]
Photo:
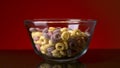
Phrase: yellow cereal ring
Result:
[66,44]
[76,32]
[70,31]
[44,48]
[43,40]
[37,42]
[63,29]
[56,53]
[59,46]
[51,29]
[83,34]
[43,52]
[62,53]
[51,43]
[37,33]
[65,35]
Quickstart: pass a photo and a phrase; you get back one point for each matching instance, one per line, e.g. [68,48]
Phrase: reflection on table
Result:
[48,64]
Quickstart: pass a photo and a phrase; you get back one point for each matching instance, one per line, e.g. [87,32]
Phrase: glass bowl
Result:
[60,39]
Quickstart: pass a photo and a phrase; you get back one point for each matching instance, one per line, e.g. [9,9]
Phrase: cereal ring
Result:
[65,35]
[37,42]
[46,35]
[59,46]
[43,52]
[37,47]
[43,40]
[70,31]
[34,34]
[63,29]
[38,29]
[56,53]
[49,49]
[44,48]
[56,37]
[62,53]
[49,54]
[66,44]
[76,32]
[56,31]
[32,29]
[50,34]
[51,29]
[51,43]
[72,43]
[83,34]
[36,38]
[87,34]
[45,30]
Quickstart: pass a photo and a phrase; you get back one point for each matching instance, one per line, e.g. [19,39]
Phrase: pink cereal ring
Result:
[37,47]
[36,38]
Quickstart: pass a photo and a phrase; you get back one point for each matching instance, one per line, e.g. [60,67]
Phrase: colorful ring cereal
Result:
[60,46]
[65,35]
[62,53]
[59,42]
[56,37]
[51,29]
[66,45]
[43,40]
[56,53]
[34,34]
[45,30]
[76,32]
[63,29]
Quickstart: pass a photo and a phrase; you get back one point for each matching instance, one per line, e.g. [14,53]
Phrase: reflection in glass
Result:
[47,64]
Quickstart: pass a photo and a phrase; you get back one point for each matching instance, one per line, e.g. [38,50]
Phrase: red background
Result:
[13,35]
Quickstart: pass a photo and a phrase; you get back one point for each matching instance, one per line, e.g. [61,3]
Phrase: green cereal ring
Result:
[65,35]
[59,46]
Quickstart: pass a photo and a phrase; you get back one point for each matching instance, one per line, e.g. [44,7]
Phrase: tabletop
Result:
[94,58]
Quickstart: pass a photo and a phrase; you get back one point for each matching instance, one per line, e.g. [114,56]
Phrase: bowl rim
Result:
[45,20]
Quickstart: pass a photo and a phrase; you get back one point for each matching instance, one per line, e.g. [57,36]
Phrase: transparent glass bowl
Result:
[60,39]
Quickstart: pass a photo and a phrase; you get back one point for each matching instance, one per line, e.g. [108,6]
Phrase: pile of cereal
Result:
[59,42]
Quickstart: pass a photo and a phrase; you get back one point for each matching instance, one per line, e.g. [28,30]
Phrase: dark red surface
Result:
[92,59]
[13,35]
